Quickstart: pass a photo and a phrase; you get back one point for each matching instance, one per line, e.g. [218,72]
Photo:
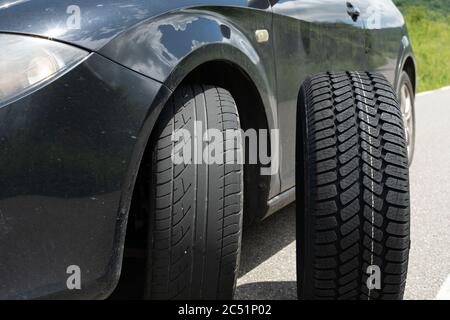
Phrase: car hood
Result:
[86,23]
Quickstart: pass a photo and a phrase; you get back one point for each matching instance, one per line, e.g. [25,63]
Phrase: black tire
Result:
[409,120]
[353,188]
[196,210]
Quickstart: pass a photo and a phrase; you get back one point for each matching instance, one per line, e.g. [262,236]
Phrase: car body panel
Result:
[384,28]
[66,153]
[52,19]
[99,22]
[310,37]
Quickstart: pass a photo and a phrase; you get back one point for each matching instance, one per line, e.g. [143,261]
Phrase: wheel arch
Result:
[253,112]
[171,46]
[253,115]
[409,66]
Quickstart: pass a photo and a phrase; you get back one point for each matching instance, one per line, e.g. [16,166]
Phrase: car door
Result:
[310,36]
[383,24]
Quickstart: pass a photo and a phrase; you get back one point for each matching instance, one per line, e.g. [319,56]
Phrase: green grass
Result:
[442,6]
[429,29]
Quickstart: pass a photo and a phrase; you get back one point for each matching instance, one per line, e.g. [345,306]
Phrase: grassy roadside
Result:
[429,29]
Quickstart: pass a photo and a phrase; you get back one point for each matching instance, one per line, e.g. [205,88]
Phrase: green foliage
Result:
[441,6]
[429,29]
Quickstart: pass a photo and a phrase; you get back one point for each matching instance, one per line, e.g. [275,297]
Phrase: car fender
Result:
[406,52]
[169,47]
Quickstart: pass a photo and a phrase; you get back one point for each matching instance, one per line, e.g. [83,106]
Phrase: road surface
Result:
[268,253]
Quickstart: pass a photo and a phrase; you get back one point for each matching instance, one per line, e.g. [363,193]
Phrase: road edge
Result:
[425,93]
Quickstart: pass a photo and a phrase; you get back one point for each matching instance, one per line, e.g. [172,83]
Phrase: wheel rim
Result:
[406,104]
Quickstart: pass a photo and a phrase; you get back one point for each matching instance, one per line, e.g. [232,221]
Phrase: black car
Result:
[91,94]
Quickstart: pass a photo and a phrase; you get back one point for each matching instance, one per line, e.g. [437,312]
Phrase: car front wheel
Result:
[195,215]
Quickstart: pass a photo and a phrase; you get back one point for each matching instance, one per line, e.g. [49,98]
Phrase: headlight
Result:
[27,61]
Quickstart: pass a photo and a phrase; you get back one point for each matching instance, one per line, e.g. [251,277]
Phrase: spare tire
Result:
[352,189]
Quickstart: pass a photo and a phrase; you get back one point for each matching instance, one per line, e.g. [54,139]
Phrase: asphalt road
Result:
[268,253]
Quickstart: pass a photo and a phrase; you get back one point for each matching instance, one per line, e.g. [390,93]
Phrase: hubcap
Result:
[407,113]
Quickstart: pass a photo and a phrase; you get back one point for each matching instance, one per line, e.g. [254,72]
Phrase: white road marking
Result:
[426,93]
[444,292]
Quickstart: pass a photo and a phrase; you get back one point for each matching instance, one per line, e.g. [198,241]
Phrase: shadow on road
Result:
[261,241]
